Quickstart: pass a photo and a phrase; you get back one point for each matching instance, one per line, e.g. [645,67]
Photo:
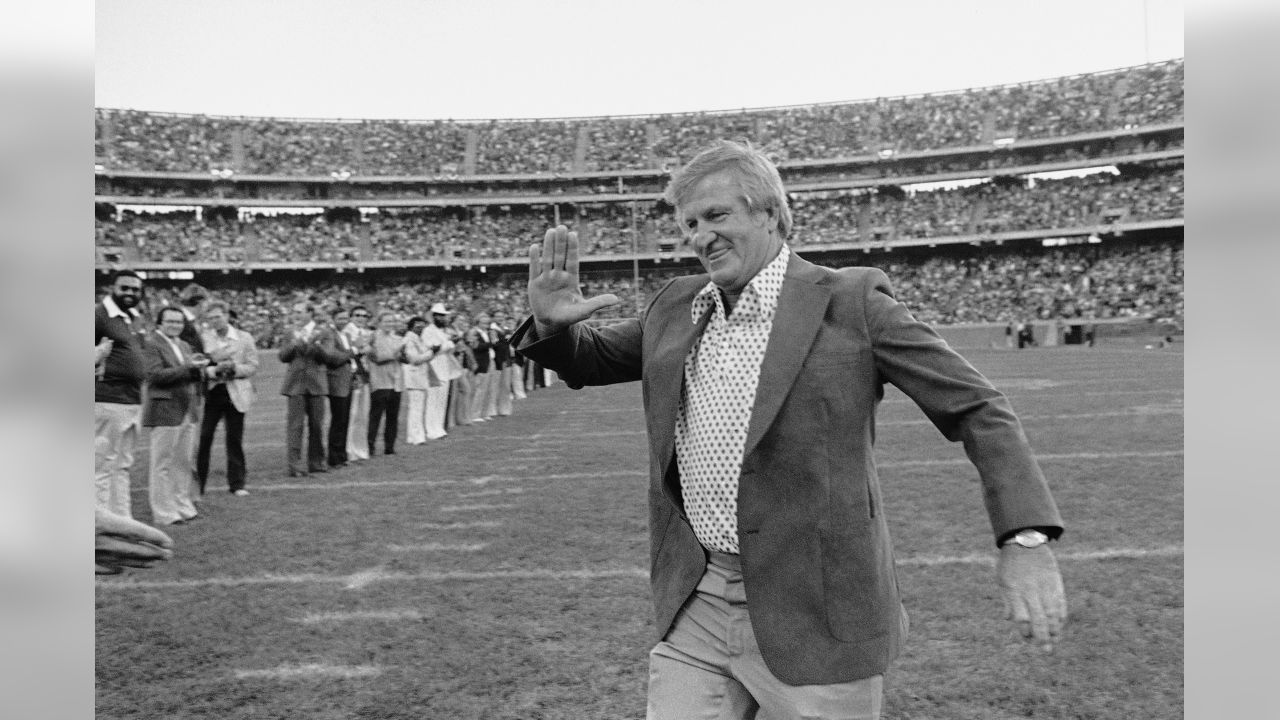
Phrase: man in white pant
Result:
[416,380]
[444,366]
[359,336]
[174,374]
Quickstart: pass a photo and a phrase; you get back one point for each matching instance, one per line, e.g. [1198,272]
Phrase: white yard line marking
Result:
[126,582]
[471,508]
[615,474]
[356,581]
[438,547]
[990,558]
[489,493]
[309,671]
[1047,456]
[1133,412]
[459,525]
[315,618]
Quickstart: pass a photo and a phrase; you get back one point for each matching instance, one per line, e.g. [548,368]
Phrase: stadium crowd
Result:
[505,231]
[1096,281]
[135,140]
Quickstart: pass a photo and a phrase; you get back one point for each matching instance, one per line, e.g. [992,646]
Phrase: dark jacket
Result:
[125,369]
[171,383]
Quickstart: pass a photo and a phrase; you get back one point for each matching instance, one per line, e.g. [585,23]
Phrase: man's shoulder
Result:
[848,278]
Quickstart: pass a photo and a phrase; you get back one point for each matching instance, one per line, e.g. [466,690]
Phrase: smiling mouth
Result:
[716,252]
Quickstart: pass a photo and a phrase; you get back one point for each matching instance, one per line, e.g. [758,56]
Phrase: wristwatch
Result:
[1027,539]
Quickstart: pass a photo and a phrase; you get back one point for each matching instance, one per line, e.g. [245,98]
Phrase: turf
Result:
[498,573]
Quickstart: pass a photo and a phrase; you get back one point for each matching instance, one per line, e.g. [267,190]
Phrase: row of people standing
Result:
[362,366]
[192,370]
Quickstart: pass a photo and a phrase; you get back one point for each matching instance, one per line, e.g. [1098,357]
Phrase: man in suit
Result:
[229,394]
[174,371]
[771,564]
[341,381]
[310,349]
[117,390]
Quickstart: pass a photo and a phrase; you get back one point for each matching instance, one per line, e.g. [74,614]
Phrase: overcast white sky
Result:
[419,59]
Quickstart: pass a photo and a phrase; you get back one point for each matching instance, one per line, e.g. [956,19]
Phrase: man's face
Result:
[482,320]
[387,323]
[732,242]
[416,326]
[217,319]
[440,320]
[127,292]
[172,322]
[300,315]
[341,318]
[360,318]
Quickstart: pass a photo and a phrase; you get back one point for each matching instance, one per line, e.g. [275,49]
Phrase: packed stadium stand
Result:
[1056,199]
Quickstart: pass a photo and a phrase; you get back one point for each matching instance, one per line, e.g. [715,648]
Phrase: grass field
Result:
[500,572]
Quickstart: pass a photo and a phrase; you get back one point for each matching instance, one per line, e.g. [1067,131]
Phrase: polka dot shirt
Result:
[721,374]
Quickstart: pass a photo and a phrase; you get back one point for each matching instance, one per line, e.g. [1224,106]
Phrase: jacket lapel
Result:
[802,304]
[664,370]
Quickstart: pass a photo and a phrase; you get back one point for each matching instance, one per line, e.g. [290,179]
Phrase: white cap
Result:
[438,309]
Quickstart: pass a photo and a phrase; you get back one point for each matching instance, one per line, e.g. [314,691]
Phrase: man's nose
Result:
[700,238]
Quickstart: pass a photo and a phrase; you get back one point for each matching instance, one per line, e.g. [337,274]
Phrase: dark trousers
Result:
[308,409]
[339,419]
[384,402]
[218,405]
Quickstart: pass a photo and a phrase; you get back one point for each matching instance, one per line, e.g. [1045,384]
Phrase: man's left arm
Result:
[966,408]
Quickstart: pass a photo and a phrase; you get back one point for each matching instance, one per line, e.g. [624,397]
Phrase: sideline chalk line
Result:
[127,582]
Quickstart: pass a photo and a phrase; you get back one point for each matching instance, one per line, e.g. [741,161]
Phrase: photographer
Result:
[230,393]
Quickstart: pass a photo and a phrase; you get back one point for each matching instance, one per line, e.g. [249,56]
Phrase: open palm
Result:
[555,296]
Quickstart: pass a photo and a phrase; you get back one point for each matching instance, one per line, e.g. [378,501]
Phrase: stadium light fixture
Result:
[1003,142]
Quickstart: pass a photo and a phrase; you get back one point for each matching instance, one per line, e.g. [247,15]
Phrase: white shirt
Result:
[721,373]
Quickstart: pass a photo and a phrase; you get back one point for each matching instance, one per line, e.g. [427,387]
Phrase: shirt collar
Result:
[113,310]
[766,286]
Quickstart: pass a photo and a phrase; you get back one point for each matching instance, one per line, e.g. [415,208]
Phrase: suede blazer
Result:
[818,564]
[171,384]
[243,351]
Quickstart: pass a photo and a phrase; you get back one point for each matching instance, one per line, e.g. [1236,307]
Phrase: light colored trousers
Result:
[502,391]
[437,401]
[416,431]
[169,480]
[517,381]
[115,436]
[358,425]
[481,394]
[709,666]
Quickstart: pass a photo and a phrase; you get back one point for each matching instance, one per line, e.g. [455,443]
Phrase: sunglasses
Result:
[360,315]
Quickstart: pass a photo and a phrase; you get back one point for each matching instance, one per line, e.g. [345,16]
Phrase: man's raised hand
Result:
[555,297]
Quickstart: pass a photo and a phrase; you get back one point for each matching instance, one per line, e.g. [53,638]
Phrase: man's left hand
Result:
[1032,590]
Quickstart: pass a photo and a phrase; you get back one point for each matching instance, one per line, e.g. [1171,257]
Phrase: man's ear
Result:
[771,218]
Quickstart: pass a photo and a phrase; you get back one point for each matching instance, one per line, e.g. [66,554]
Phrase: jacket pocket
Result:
[852,586]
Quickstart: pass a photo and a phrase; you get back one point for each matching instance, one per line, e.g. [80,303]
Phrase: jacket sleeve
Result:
[290,349]
[329,352]
[160,375]
[964,406]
